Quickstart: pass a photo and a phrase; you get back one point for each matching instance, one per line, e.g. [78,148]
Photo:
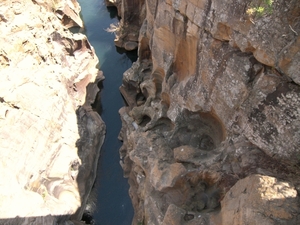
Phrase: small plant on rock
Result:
[114,28]
[265,7]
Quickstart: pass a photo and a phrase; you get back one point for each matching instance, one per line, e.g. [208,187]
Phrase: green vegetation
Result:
[265,7]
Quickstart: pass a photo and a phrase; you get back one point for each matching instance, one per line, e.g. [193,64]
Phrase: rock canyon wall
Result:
[50,137]
[211,133]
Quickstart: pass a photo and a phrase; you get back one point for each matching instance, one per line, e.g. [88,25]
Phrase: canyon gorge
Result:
[211,126]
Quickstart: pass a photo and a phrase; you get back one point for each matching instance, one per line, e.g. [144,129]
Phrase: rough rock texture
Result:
[247,201]
[49,135]
[213,99]
[132,14]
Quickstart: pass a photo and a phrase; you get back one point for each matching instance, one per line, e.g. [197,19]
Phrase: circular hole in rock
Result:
[140,99]
[204,131]
[188,217]
[146,119]
[206,142]
[195,192]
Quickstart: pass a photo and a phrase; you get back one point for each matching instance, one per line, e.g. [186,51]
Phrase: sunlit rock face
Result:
[254,194]
[49,135]
[213,99]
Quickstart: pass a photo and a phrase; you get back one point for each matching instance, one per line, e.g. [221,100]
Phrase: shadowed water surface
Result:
[113,202]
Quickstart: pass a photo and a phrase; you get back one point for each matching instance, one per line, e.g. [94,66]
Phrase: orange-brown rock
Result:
[215,89]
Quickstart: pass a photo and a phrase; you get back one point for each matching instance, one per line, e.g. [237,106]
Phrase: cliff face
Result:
[132,14]
[213,104]
[50,136]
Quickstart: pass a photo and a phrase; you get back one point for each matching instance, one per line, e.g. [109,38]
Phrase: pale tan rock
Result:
[44,112]
[260,199]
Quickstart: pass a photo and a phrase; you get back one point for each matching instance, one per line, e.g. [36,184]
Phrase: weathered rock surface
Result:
[49,135]
[132,14]
[260,200]
[213,99]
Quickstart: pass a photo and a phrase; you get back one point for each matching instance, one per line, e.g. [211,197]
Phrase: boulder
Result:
[260,199]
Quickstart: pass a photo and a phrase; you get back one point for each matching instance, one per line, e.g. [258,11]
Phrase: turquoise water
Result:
[113,202]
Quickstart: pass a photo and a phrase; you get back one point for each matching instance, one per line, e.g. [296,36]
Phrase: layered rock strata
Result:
[211,131]
[49,135]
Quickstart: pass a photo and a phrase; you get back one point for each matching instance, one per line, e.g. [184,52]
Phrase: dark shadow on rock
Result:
[38,220]
[91,129]
[42,220]
[113,12]
[131,55]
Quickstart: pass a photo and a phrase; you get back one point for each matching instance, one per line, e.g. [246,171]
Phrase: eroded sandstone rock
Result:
[260,200]
[132,14]
[215,92]
[50,136]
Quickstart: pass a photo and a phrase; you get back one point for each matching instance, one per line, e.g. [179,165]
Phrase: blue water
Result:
[113,202]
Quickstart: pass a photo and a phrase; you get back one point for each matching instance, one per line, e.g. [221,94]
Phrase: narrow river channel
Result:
[113,202]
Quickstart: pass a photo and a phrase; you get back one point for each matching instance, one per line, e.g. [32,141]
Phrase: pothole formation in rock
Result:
[195,192]
[177,153]
[211,102]
[199,130]
[180,163]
